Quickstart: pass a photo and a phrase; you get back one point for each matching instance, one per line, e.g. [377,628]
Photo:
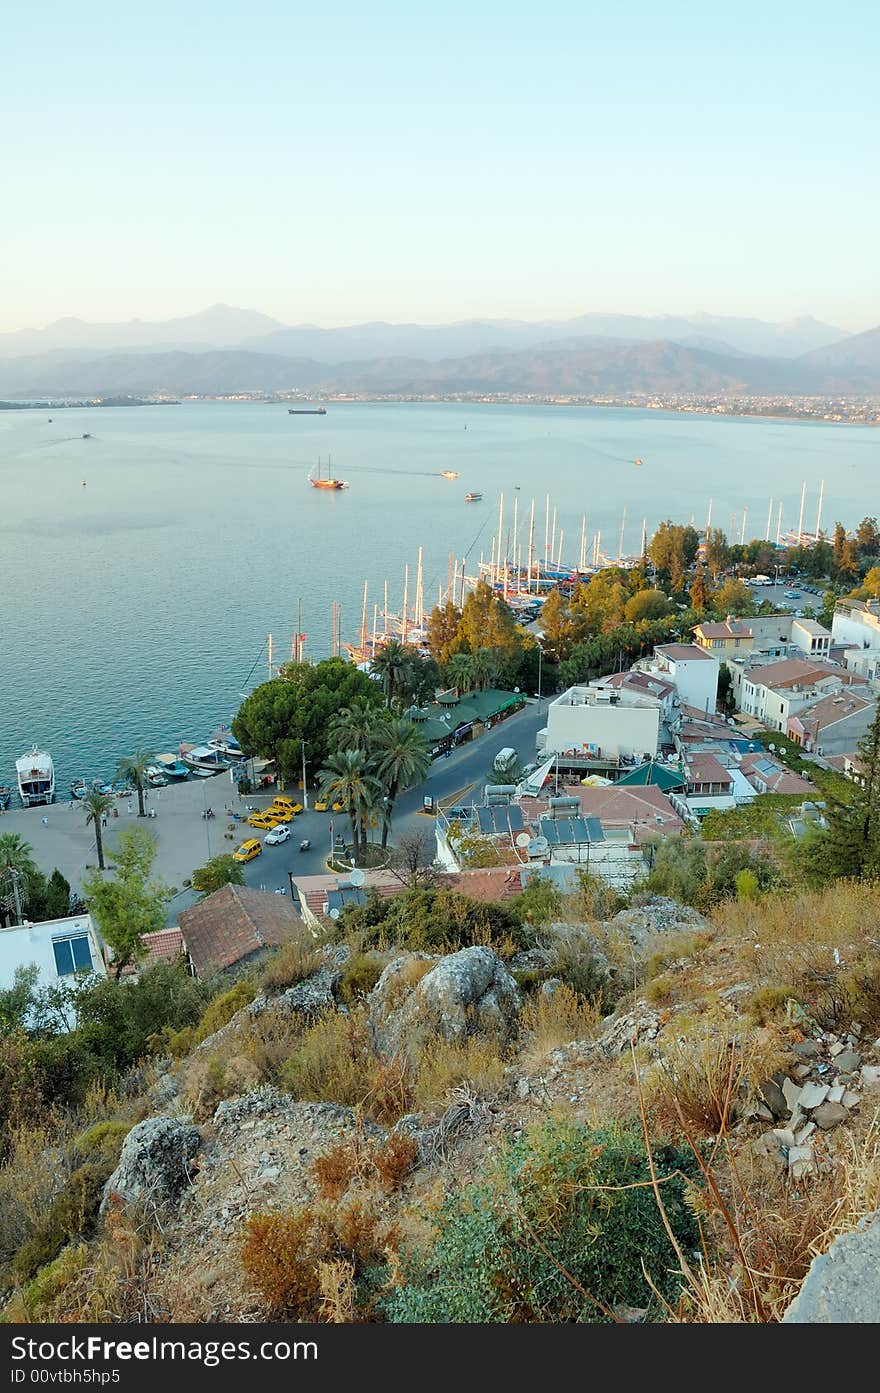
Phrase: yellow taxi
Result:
[322,805]
[265,820]
[283,804]
[279,814]
[247,851]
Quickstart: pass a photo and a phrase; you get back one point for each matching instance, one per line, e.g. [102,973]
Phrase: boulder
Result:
[155,1162]
[639,1023]
[842,1287]
[656,915]
[466,992]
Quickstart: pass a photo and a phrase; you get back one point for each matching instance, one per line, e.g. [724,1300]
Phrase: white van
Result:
[505,756]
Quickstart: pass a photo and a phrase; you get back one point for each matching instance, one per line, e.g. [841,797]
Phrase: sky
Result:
[433,161]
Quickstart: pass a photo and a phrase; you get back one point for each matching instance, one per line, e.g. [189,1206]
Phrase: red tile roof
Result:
[234,923]
[684,652]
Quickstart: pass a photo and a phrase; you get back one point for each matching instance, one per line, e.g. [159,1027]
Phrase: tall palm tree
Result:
[352,728]
[16,855]
[97,806]
[134,770]
[347,778]
[390,664]
[401,756]
[459,672]
[484,665]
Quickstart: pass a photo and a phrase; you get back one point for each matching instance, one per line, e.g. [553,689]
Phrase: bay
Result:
[135,609]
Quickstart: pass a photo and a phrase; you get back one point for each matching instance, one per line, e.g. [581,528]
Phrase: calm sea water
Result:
[133,610]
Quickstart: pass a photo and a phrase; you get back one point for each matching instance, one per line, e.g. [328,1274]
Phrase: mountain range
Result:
[225,350]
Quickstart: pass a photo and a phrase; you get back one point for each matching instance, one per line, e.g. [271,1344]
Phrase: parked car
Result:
[279,814]
[265,820]
[247,851]
[279,834]
[792,594]
[289,804]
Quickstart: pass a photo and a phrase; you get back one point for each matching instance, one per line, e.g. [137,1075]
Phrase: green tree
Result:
[726,701]
[390,666]
[485,667]
[354,726]
[717,552]
[296,707]
[348,778]
[733,597]
[699,593]
[130,905]
[133,769]
[871,583]
[849,845]
[459,672]
[96,807]
[443,623]
[673,550]
[401,757]
[217,872]
[646,604]
[57,896]
[17,855]
[867,537]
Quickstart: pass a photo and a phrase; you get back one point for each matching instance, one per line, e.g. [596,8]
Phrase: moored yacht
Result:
[36,777]
[202,759]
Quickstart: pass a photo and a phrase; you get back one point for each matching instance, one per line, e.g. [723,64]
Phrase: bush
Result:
[659,988]
[333,1061]
[71,1215]
[432,920]
[766,1004]
[360,975]
[102,1141]
[568,1210]
[703,1079]
[538,904]
[292,963]
[223,1008]
[553,1019]
[388,1162]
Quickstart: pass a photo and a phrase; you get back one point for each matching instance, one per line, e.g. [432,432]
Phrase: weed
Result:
[360,975]
[293,962]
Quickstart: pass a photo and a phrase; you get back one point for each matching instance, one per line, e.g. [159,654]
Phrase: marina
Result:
[169,646]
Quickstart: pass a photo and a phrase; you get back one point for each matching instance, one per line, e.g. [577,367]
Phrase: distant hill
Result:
[223,326]
[856,359]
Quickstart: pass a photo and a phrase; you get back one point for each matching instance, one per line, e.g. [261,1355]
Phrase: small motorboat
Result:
[472,497]
[86,435]
[448,473]
[79,788]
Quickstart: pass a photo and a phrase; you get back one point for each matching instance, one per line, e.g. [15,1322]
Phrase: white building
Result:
[774,692]
[64,950]
[691,670]
[593,721]
[856,628]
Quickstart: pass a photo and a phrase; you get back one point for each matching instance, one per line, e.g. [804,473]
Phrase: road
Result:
[468,765]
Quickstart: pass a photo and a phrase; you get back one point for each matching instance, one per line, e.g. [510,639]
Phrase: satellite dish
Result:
[523,839]
[357,877]
[334,913]
[771,747]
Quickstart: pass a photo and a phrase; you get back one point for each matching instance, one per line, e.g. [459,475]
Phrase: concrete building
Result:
[691,670]
[709,787]
[63,950]
[834,725]
[856,628]
[593,721]
[773,692]
[772,636]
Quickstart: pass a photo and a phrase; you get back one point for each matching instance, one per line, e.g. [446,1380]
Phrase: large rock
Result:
[464,993]
[632,1027]
[155,1162]
[641,923]
[842,1286]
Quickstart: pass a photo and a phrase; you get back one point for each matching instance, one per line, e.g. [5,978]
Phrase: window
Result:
[72,955]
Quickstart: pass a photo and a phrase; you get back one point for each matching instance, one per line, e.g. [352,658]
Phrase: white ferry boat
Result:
[36,778]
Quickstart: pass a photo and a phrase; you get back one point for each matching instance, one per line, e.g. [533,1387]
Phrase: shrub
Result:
[223,1008]
[862,987]
[103,1141]
[356,1158]
[553,1019]
[443,1065]
[71,1215]
[332,1062]
[395,1159]
[434,920]
[293,962]
[360,975]
[559,1231]
[539,902]
[766,1004]
[280,1256]
[659,988]
[576,961]
[702,1079]
[390,1094]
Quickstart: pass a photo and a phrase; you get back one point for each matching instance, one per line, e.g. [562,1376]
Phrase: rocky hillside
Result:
[398,1132]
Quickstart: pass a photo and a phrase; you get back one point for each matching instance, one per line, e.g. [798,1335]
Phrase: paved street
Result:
[186,839]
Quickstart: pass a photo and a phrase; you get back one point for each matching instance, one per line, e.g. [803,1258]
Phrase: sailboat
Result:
[317,482]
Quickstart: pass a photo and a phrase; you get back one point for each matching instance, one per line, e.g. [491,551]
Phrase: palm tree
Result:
[390,664]
[352,728]
[347,778]
[402,757]
[97,806]
[484,665]
[133,770]
[459,672]
[16,856]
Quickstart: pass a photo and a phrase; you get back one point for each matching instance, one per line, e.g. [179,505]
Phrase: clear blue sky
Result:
[340,161]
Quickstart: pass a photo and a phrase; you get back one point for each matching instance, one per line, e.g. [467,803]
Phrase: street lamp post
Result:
[305,789]
[540,656]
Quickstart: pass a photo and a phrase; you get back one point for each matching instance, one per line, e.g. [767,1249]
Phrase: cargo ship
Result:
[307,411]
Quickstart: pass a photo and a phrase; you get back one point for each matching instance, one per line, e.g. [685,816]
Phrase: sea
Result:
[147,553]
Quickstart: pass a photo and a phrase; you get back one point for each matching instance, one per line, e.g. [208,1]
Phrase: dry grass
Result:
[444,1065]
[405,978]
[292,963]
[792,936]
[36,1169]
[553,1019]
[209,1079]
[699,1080]
[333,1061]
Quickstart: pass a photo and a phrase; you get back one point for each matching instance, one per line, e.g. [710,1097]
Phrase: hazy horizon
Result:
[346,165]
